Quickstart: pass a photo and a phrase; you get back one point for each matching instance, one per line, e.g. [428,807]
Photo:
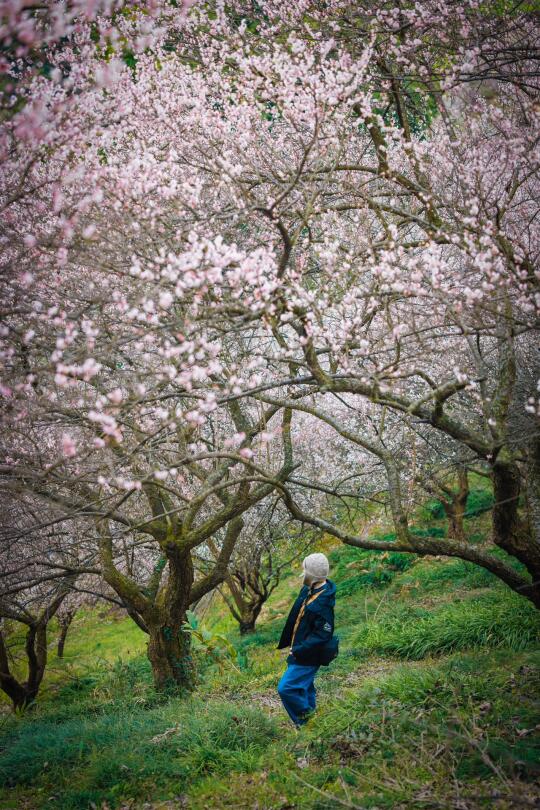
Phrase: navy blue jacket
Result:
[316,625]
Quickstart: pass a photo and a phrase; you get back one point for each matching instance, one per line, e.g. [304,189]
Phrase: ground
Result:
[432,703]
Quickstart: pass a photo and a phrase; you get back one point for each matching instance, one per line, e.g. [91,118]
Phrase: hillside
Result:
[270,312]
[433,702]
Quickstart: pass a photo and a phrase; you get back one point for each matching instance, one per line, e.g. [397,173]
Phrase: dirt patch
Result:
[369,669]
[268,700]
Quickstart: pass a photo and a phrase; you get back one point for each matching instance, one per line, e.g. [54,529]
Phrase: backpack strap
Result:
[307,601]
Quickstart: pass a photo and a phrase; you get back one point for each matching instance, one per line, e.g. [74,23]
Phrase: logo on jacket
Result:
[327,627]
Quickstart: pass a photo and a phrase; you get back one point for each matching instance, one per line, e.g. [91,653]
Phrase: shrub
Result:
[435,509]
[478,501]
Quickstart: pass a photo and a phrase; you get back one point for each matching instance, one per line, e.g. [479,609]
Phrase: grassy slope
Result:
[434,698]
[96,640]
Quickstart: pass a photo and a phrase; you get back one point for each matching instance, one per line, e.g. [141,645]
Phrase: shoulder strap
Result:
[307,601]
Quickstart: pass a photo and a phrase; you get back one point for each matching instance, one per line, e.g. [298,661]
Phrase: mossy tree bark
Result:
[169,645]
[511,531]
[160,607]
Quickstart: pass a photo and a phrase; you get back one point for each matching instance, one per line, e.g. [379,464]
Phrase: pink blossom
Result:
[115,396]
[68,446]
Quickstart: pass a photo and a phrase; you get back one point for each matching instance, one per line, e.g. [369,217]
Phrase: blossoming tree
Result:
[282,211]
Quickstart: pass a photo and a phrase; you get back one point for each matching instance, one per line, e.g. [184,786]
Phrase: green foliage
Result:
[421,108]
[431,576]
[433,531]
[478,501]
[376,568]
[271,111]
[125,682]
[118,754]
[263,635]
[496,619]
[130,59]
[251,22]
[435,509]
[216,646]
[503,8]
[400,561]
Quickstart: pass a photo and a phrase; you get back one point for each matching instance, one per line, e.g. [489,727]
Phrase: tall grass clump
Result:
[495,619]
[119,754]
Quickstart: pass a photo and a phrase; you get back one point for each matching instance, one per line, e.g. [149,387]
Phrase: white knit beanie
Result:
[316,567]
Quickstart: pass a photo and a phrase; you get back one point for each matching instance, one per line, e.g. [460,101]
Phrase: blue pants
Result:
[297,691]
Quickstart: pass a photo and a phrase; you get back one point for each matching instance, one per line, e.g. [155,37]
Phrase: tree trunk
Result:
[510,532]
[169,654]
[36,652]
[247,627]
[532,482]
[456,506]
[249,616]
[169,646]
[65,622]
[8,683]
[23,693]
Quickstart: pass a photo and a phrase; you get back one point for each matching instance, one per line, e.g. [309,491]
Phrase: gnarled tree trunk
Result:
[249,616]
[170,658]
[510,531]
[65,623]
[248,600]
[169,646]
[23,693]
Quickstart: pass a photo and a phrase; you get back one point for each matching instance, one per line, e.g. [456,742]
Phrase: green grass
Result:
[494,619]
[102,635]
[427,577]
[355,569]
[96,639]
[391,731]
[434,695]
[114,754]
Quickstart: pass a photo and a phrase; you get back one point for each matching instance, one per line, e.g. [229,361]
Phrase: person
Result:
[308,629]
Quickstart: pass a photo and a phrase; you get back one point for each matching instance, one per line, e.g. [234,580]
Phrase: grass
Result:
[494,619]
[432,702]
[96,639]
[116,752]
